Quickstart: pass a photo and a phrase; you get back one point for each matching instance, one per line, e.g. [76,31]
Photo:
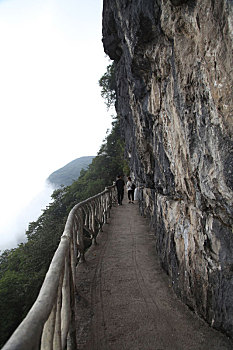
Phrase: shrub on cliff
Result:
[108,86]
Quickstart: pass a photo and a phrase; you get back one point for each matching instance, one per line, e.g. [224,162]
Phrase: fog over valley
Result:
[15,223]
[31,197]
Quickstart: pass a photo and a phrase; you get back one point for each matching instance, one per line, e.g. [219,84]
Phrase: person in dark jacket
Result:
[120,184]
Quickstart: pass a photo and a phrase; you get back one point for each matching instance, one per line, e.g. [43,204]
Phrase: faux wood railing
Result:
[50,324]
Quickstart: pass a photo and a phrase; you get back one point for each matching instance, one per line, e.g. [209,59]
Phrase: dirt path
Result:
[124,298]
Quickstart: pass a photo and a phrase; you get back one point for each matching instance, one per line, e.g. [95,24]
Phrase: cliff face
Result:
[173,62]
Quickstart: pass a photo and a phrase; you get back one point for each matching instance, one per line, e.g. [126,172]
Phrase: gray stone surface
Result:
[173,63]
[125,299]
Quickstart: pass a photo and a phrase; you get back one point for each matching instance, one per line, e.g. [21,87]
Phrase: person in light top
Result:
[130,188]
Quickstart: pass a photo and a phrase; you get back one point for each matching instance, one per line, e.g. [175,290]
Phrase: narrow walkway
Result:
[124,298]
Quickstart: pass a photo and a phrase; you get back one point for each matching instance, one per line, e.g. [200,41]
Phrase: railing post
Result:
[71,337]
[94,224]
[100,213]
[57,331]
[80,241]
[65,310]
[73,251]
[48,331]
[106,206]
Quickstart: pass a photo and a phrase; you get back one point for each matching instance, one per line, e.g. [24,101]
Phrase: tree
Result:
[108,84]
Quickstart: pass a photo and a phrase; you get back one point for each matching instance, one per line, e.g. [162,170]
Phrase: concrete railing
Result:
[50,324]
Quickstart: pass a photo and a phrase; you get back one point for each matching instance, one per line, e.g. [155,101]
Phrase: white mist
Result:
[15,223]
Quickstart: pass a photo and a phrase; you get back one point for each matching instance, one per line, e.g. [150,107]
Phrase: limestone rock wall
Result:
[173,61]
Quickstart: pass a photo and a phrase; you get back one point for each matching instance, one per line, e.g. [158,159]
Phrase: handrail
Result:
[50,323]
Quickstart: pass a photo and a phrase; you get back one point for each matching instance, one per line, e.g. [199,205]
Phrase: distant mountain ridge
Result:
[70,172]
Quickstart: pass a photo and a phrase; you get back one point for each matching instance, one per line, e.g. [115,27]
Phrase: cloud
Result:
[13,232]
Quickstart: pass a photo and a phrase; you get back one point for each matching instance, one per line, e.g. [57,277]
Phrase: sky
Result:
[51,111]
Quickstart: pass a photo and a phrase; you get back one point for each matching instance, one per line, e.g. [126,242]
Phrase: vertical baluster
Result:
[102,209]
[105,209]
[48,330]
[80,242]
[90,226]
[86,215]
[94,222]
[73,255]
[89,220]
[71,339]
[65,309]
[99,214]
[108,203]
[97,220]
[57,331]
[73,244]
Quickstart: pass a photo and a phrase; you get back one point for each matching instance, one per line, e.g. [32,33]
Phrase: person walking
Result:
[130,188]
[120,184]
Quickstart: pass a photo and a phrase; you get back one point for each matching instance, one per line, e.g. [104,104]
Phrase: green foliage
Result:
[12,301]
[108,86]
[19,285]
[23,269]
